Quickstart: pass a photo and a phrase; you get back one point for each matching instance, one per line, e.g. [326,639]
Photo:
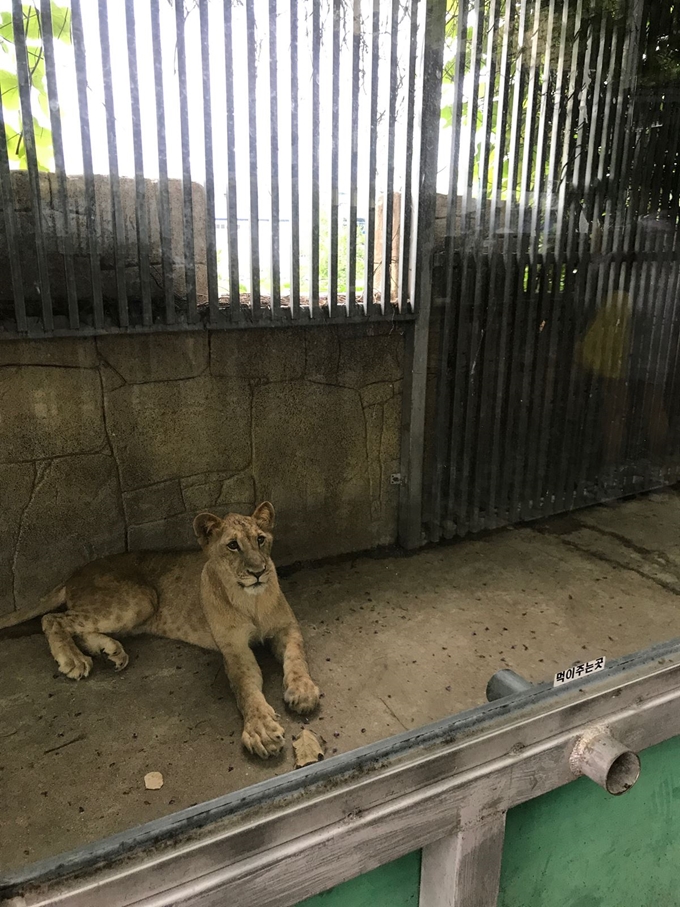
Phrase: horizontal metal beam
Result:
[284,840]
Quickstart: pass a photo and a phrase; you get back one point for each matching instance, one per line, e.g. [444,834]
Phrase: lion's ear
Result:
[264,516]
[207,526]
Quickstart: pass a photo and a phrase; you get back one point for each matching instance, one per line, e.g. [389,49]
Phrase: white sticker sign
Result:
[576,672]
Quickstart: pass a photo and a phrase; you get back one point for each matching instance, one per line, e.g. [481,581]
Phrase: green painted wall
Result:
[393,885]
[579,847]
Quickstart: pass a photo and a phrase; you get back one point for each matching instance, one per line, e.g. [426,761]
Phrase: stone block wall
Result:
[116,443]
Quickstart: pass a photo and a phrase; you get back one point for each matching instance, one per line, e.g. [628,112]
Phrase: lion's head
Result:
[243,543]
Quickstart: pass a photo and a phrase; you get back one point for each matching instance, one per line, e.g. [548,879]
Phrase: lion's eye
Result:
[233,545]
[261,540]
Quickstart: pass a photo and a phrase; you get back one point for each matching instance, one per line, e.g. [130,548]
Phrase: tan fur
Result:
[220,599]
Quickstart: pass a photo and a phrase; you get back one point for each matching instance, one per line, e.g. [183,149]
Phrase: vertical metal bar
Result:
[141,212]
[24,80]
[369,267]
[579,254]
[464,869]
[210,238]
[525,315]
[314,239]
[354,163]
[254,211]
[497,262]
[468,346]
[537,359]
[428,106]
[59,166]
[11,228]
[505,362]
[553,314]
[565,263]
[164,223]
[187,188]
[485,322]
[294,165]
[403,301]
[443,457]
[275,247]
[388,196]
[335,160]
[114,180]
[232,210]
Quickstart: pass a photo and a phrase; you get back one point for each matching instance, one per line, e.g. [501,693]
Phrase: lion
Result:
[225,597]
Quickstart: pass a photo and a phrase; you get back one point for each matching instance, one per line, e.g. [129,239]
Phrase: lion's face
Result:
[242,543]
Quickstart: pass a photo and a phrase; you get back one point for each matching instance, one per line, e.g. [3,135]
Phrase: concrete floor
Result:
[394,643]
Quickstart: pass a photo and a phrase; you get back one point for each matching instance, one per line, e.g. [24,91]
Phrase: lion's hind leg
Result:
[115,611]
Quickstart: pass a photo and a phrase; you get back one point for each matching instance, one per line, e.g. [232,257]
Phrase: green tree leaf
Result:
[6,30]
[9,89]
[61,22]
[32,27]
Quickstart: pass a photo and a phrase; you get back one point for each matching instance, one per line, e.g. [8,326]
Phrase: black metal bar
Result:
[354,162]
[28,138]
[566,263]
[553,315]
[59,166]
[88,172]
[164,224]
[275,247]
[388,196]
[335,162]
[497,263]
[535,373]
[443,455]
[232,209]
[314,239]
[11,228]
[210,237]
[369,261]
[525,311]
[114,179]
[428,107]
[294,165]
[485,327]
[403,300]
[500,452]
[469,340]
[141,212]
[187,188]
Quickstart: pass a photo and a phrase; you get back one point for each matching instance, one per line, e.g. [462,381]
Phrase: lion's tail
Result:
[50,602]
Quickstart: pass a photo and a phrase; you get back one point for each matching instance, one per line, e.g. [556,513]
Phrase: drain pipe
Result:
[606,761]
[506,683]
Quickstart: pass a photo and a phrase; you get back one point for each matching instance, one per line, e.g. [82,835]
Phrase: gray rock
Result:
[165,431]
[77,352]
[16,482]
[156,502]
[49,412]
[156,357]
[313,468]
[274,354]
[75,515]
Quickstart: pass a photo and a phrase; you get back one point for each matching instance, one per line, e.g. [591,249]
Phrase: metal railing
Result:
[131,128]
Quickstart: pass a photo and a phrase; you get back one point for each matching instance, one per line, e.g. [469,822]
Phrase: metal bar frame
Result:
[444,788]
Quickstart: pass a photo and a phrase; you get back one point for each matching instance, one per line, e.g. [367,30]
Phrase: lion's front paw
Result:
[262,734]
[302,695]
[75,665]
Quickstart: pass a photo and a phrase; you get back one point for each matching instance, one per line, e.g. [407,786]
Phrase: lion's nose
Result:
[257,573]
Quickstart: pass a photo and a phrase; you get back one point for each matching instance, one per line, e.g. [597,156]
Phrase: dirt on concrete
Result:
[394,643]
